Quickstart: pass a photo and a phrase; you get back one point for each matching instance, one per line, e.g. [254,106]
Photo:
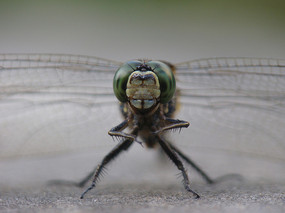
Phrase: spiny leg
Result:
[172,124]
[117,131]
[172,155]
[124,145]
[90,175]
[190,162]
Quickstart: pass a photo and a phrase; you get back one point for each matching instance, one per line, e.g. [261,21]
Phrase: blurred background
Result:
[175,31]
[122,30]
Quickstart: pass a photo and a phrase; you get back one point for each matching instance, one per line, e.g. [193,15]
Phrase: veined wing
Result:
[235,104]
[48,102]
[51,102]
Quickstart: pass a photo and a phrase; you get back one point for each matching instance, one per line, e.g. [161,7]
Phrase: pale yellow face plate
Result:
[143,89]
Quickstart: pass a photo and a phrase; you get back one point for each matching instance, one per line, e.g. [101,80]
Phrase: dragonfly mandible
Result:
[147,95]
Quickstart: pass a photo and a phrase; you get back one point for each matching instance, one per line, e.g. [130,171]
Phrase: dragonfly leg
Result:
[191,163]
[124,145]
[117,132]
[172,124]
[172,155]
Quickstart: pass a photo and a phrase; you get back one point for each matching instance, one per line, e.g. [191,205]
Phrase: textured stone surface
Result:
[230,196]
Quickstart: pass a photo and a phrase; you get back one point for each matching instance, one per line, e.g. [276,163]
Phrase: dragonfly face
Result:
[144,85]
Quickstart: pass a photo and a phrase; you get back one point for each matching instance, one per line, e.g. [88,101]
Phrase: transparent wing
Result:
[51,103]
[236,106]
[54,103]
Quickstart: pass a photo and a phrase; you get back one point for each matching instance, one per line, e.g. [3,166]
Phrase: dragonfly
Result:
[240,99]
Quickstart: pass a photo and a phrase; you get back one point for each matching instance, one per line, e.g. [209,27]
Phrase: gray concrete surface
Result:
[224,197]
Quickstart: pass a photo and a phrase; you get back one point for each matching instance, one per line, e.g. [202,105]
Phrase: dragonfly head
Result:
[144,84]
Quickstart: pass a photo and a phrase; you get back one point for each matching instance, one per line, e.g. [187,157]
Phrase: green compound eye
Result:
[121,78]
[162,70]
[166,80]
